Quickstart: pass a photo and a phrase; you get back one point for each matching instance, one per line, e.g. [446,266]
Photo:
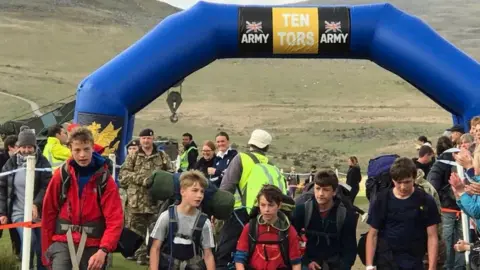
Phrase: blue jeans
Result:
[452,232]
[36,247]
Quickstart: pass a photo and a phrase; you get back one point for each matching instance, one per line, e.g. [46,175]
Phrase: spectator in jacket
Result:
[225,154]
[188,158]
[456,132]
[425,159]
[439,177]
[10,149]
[207,160]
[90,209]
[56,150]
[12,190]
[354,177]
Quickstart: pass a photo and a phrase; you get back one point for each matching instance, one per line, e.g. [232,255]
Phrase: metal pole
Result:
[27,216]
[465,223]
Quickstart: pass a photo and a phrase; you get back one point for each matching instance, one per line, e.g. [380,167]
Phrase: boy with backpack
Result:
[268,242]
[403,224]
[183,235]
[82,209]
[330,227]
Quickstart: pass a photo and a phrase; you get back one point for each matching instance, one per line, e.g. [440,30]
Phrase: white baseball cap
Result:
[260,138]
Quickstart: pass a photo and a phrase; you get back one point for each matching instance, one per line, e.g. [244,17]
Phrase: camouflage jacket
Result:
[134,175]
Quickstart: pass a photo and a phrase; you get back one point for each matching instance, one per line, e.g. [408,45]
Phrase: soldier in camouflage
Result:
[134,174]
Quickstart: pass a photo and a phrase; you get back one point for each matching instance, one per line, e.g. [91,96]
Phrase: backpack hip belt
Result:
[93,229]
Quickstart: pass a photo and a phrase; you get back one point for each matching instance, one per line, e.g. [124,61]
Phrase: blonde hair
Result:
[189,178]
[467,137]
[82,134]
[474,121]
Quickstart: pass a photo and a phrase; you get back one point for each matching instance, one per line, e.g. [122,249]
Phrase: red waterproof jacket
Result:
[82,210]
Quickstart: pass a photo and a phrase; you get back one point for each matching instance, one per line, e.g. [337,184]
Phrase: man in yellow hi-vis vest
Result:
[245,177]
[188,159]
[56,150]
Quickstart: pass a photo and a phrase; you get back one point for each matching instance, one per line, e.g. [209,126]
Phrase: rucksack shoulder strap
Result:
[308,212]
[253,157]
[101,184]
[382,199]
[252,236]
[64,185]
[198,228]
[341,215]
[284,247]
[172,223]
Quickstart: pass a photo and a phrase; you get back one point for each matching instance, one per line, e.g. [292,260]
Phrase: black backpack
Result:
[282,242]
[379,178]
[65,185]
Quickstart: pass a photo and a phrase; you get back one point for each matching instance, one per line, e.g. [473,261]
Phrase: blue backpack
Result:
[378,173]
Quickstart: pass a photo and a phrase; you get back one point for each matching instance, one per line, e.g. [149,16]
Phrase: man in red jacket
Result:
[82,208]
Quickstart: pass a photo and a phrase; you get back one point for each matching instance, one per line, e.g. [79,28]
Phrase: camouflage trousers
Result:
[139,224]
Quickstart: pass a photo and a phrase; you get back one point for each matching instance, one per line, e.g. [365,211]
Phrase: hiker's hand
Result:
[97,261]
[473,188]
[211,171]
[212,220]
[461,246]
[464,158]
[34,212]
[3,220]
[314,266]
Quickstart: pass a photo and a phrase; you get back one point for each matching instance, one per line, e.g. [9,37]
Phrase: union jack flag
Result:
[254,27]
[333,27]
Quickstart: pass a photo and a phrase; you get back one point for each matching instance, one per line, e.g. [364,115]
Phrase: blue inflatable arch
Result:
[183,43]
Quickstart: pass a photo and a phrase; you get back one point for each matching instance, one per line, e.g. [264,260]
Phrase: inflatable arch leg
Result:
[191,39]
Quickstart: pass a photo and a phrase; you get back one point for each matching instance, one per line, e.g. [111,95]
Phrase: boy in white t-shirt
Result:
[183,235]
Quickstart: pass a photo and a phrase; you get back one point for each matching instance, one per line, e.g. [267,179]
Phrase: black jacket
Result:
[354,177]
[438,176]
[203,165]
[6,184]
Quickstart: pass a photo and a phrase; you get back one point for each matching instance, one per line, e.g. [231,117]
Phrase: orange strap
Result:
[20,224]
[457,213]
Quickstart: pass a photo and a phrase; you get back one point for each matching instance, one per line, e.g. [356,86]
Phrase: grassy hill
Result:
[321,113]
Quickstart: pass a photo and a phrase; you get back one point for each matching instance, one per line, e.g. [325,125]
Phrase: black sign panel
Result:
[334,30]
[106,129]
[255,35]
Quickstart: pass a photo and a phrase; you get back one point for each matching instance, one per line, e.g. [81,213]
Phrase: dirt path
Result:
[33,105]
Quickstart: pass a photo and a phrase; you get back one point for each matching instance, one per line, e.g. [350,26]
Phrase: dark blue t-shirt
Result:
[405,226]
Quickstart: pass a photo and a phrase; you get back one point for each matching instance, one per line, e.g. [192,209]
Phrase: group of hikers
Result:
[235,209]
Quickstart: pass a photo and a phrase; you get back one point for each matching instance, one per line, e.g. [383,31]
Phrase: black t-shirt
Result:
[405,224]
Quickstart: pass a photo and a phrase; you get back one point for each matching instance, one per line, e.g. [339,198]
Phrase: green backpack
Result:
[261,174]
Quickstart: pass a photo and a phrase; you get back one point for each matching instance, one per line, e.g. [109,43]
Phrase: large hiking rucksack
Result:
[381,255]
[261,173]
[66,181]
[378,173]
[172,254]
[282,242]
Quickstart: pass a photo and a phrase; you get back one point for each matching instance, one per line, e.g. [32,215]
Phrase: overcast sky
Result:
[184,4]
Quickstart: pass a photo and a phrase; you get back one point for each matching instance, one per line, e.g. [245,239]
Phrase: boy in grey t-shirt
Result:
[191,239]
